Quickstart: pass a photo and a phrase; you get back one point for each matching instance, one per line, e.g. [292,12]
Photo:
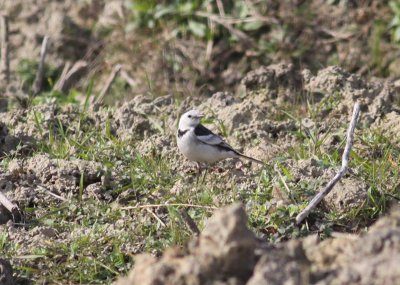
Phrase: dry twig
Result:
[38,83]
[284,183]
[168,205]
[345,161]
[70,75]
[125,76]
[61,80]
[156,217]
[52,194]
[190,224]
[211,24]
[5,57]
[116,70]
[11,207]
[221,8]
[225,23]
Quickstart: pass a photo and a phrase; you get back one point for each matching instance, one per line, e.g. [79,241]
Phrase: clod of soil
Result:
[227,252]
[130,123]
[30,181]
[58,20]
[282,264]
[283,83]
[376,98]
[142,116]
[367,259]
[275,78]
[390,125]
[349,194]
[63,175]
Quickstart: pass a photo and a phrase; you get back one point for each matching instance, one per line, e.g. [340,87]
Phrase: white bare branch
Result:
[345,161]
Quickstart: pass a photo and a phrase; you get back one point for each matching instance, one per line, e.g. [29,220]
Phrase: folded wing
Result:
[208,137]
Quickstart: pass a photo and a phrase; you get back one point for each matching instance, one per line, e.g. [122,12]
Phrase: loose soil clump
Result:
[227,252]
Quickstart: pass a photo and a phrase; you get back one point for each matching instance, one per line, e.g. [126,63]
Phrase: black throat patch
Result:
[181,133]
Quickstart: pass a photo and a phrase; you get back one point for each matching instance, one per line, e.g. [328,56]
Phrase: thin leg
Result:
[198,172]
[205,173]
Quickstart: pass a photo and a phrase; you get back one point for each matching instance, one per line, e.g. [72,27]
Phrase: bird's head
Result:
[190,120]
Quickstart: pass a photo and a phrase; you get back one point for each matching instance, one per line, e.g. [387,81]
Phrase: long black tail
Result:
[250,158]
[227,147]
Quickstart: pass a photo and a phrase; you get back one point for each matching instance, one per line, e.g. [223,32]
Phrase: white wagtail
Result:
[201,145]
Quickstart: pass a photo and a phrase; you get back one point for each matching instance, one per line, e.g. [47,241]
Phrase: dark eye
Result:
[190,116]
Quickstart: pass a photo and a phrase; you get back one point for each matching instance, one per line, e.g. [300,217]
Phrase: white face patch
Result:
[190,120]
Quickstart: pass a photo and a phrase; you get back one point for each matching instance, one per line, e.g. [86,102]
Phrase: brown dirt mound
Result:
[227,252]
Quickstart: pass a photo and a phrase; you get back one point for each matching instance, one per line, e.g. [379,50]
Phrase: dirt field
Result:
[104,193]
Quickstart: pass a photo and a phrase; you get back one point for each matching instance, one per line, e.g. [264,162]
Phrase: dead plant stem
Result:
[4,44]
[38,83]
[345,161]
